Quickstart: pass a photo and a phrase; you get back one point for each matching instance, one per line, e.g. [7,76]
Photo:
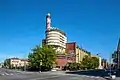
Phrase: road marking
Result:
[6,74]
[97,77]
[3,74]
[11,74]
[92,76]
[45,78]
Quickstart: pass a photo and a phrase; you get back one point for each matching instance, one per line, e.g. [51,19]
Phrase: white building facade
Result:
[55,36]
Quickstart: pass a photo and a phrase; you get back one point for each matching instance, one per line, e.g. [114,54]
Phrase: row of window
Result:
[57,44]
[64,57]
[56,34]
[53,42]
[16,61]
[56,40]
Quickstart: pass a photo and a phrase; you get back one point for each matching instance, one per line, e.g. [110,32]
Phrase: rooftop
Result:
[24,59]
[83,50]
[19,59]
[56,29]
[15,58]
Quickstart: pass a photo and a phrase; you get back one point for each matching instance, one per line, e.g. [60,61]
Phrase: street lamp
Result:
[112,75]
[118,59]
[40,65]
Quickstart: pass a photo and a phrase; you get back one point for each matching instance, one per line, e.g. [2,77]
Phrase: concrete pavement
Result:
[59,75]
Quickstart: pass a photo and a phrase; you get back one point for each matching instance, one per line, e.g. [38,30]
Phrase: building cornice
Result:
[56,29]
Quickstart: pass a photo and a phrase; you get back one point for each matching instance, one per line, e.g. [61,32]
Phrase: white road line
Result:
[97,77]
[11,74]
[6,74]
[3,74]
[92,76]
[44,78]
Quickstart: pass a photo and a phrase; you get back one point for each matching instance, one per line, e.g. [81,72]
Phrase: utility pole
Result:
[110,63]
[118,59]
[40,65]
[118,54]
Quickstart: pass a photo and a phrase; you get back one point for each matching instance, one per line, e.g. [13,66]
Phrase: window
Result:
[61,57]
[57,66]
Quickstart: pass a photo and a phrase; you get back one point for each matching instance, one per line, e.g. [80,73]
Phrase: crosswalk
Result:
[9,73]
[94,77]
[14,73]
[6,74]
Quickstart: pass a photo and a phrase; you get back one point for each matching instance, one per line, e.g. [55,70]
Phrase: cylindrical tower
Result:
[56,37]
[48,21]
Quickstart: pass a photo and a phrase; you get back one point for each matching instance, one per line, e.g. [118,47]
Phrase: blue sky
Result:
[93,24]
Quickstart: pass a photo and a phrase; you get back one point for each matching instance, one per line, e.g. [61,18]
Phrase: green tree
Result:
[95,62]
[45,55]
[7,63]
[89,62]
[86,62]
[72,66]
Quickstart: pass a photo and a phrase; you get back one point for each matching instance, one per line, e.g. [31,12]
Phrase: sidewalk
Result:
[118,78]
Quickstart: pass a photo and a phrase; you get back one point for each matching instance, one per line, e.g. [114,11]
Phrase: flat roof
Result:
[56,29]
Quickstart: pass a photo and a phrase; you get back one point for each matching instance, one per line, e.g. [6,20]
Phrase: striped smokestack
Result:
[48,21]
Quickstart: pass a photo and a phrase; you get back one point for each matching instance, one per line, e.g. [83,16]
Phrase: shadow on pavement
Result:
[100,73]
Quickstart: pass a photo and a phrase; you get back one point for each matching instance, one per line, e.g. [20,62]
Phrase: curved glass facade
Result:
[55,37]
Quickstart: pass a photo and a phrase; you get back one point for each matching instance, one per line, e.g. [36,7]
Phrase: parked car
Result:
[55,69]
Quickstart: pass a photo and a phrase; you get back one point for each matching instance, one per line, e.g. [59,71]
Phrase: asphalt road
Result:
[6,74]
[94,73]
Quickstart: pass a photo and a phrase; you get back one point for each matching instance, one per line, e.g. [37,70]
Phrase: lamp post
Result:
[40,65]
[113,76]
[118,59]
[118,73]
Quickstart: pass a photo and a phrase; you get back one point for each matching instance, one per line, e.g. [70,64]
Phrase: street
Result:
[6,74]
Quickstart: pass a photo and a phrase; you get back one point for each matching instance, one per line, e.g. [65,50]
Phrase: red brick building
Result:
[71,51]
[63,59]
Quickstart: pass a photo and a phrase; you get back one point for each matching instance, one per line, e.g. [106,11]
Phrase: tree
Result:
[95,62]
[72,66]
[7,63]
[89,62]
[45,55]
[86,62]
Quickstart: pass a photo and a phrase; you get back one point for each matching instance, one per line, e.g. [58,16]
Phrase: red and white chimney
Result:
[48,21]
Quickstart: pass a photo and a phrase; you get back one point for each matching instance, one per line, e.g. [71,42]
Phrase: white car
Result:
[113,77]
[55,69]
[112,74]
